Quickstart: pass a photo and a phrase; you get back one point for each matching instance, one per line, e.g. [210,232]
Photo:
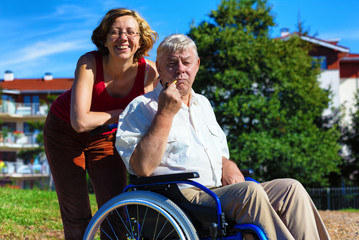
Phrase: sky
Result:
[41,36]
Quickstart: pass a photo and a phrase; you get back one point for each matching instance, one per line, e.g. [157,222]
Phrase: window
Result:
[33,102]
[322,60]
[8,104]
[26,127]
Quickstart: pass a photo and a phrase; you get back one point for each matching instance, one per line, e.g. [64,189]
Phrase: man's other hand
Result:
[230,172]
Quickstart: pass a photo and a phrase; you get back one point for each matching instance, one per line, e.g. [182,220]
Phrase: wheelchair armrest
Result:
[162,178]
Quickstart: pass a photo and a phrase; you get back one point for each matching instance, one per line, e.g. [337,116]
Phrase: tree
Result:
[265,94]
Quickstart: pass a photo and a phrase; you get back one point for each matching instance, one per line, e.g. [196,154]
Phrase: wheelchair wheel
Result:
[140,215]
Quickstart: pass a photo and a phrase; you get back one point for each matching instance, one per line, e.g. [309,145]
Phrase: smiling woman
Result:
[105,82]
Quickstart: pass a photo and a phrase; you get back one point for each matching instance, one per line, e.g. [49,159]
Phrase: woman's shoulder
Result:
[151,63]
[88,59]
[89,56]
[151,72]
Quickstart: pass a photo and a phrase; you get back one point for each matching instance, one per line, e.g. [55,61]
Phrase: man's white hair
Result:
[174,43]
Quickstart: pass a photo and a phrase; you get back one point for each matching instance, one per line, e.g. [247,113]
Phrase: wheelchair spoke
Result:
[129,228]
[168,235]
[113,231]
[104,232]
[163,226]
[143,220]
[155,227]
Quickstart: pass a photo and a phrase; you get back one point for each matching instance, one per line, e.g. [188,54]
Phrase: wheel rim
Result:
[138,218]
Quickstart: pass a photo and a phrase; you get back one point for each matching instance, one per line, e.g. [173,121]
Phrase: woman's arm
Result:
[82,119]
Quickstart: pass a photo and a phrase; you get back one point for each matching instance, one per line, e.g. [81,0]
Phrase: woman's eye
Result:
[114,32]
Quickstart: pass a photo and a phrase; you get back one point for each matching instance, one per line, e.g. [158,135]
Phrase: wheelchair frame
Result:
[143,193]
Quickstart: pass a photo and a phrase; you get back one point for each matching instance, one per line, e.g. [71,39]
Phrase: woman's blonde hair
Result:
[148,36]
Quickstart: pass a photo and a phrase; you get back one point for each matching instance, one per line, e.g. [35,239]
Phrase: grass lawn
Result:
[31,214]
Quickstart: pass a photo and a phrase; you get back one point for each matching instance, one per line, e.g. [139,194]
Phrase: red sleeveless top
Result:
[101,100]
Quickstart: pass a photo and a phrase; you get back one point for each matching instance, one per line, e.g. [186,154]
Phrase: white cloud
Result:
[42,49]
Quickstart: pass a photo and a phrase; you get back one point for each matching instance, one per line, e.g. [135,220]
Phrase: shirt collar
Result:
[194,98]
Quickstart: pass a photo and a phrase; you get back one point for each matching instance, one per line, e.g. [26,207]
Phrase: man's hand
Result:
[169,101]
[230,172]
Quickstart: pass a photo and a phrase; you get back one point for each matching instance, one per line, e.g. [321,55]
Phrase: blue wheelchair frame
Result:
[221,222]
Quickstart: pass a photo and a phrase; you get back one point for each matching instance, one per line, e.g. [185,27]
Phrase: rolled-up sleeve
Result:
[133,123]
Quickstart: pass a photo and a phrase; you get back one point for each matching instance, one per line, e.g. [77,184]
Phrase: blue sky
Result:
[50,35]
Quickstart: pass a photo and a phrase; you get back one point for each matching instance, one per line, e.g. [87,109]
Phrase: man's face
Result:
[181,66]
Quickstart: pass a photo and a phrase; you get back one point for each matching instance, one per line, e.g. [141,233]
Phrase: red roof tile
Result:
[56,84]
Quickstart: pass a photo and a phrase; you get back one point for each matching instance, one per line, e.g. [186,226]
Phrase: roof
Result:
[323,43]
[18,86]
[351,57]
[332,44]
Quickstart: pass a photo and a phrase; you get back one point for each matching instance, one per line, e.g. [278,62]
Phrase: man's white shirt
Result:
[196,142]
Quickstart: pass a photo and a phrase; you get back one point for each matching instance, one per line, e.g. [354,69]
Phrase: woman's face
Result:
[123,38]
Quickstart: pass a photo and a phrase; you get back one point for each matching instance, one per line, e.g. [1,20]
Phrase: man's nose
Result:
[180,67]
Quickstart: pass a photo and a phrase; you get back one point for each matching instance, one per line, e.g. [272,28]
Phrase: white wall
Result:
[348,87]
[330,78]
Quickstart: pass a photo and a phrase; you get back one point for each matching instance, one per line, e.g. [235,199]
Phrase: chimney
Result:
[8,76]
[48,76]
[284,32]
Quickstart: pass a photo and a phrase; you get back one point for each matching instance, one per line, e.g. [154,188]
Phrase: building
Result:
[24,100]
[339,70]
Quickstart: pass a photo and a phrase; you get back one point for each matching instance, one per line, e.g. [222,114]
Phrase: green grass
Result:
[349,210]
[31,214]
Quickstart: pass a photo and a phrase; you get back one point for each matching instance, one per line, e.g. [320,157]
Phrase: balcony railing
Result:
[18,140]
[23,109]
[38,167]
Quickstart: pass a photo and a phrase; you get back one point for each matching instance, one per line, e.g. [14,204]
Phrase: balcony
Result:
[20,175]
[16,141]
[23,109]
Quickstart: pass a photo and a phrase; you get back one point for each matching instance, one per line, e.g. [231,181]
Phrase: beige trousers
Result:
[282,208]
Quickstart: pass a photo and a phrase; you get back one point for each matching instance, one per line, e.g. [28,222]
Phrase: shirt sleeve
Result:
[133,123]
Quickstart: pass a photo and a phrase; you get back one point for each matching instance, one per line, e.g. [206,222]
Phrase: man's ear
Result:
[198,63]
[158,67]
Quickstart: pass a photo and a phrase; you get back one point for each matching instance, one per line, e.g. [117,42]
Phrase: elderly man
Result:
[174,130]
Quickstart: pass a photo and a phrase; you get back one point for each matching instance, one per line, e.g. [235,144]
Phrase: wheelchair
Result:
[154,208]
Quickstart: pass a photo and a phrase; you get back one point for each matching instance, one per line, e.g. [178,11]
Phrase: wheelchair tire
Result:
[140,215]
